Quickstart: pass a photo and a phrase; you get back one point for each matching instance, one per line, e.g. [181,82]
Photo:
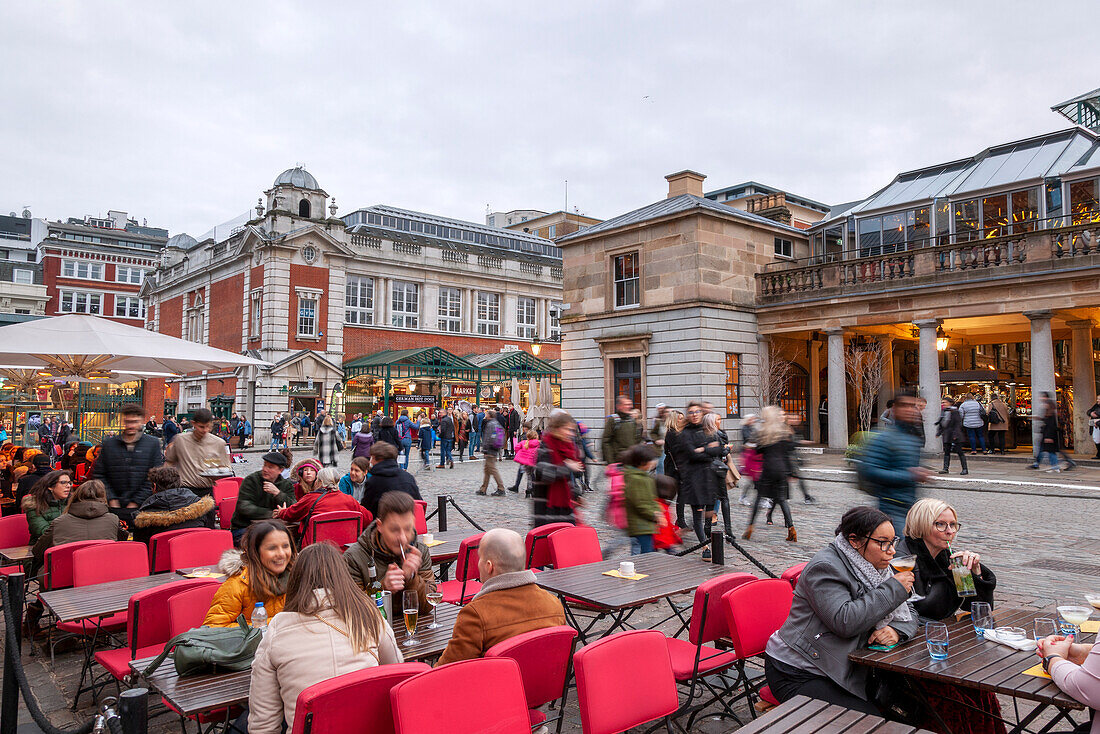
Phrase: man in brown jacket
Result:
[509,603]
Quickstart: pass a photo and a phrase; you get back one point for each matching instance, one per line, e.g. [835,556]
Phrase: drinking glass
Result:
[434,598]
[981,611]
[906,563]
[1072,613]
[410,606]
[1045,627]
[935,634]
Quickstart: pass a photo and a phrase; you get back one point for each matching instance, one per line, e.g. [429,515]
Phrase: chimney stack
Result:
[685,182]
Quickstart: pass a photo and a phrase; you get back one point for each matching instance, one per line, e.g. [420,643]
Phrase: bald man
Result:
[509,603]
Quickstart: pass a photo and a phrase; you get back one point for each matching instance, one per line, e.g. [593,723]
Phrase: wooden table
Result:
[808,715]
[200,693]
[17,554]
[667,576]
[979,665]
[100,600]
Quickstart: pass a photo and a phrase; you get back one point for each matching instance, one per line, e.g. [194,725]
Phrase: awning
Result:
[401,364]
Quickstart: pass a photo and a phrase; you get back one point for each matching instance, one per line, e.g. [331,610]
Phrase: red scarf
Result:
[560,492]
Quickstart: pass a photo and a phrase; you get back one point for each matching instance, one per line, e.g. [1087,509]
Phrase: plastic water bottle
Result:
[259,616]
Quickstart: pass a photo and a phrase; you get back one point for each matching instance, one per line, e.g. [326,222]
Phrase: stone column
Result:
[1084,386]
[1042,368]
[929,370]
[382,302]
[838,397]
[763,355]
[815,390]
[889,379]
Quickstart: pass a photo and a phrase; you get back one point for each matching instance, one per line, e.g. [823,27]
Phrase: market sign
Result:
[459,391]
[414,399]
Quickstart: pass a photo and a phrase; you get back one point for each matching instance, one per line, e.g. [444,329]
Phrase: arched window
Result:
[303,208]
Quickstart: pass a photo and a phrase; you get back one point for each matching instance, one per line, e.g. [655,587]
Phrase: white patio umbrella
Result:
[76,345]
[532,397]
[546,395]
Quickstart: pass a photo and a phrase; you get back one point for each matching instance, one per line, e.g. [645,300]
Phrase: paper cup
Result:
[626,568]
[428,538]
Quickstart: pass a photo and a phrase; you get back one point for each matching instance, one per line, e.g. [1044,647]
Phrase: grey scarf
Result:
[872,578]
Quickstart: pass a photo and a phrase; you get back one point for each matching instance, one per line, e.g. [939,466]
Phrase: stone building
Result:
[312,293]
[555,225]
[23,291]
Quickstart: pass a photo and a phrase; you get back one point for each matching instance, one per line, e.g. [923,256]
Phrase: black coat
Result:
[698,480]
[27,482]
[935,582]
[446,429]
[514,423]
[124,471]
[950,426]
[776,469]
[389,435]
[387,476]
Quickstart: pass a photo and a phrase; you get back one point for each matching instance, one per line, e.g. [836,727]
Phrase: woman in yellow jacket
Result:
[256,573]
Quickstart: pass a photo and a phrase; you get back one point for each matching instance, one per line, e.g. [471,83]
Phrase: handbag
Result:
[894,696]
[995,418]
[210,650]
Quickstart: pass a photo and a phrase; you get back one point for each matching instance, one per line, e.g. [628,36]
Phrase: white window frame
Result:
[124,302]
[80,302]
[22,276]
[72,269]
[552,231]
[555,322]
[256,304]
[359,300]
[130,271]
[488,313]
[784,248]
[309,307]
[624,283]
[405,305]
[450,310]
[526,318]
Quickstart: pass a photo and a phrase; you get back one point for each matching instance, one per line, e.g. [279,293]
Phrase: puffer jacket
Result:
[87,520]
[361,443]
[387,476]
[39,523]
[640,495]
[124,471]
[234,597]
[299,650]
[325,499]
[368,552]
[172,509]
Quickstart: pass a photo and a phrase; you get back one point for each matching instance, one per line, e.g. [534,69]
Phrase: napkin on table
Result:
[1026,644]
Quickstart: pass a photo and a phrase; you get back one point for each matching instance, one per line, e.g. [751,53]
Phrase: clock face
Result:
[309,253]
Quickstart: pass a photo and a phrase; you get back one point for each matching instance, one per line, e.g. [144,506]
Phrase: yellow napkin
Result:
[434,543]
[1037,671]
[203,575]
[1093,625]
[618,575]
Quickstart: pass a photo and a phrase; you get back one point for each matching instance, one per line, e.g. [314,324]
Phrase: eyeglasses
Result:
[943,527]
[884,545]
[695,412]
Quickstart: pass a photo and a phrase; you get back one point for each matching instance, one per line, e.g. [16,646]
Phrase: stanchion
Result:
[133,708]
[717,548]
[441,511]
[9,708]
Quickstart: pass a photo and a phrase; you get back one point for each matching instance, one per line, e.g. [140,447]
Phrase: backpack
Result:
[211,650]
[615,510]
[494,440]
[995,417]
[403,431]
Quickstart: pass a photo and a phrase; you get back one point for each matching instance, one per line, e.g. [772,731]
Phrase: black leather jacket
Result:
[124,471]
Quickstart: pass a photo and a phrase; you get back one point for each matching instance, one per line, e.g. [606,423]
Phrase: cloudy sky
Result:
[183,113]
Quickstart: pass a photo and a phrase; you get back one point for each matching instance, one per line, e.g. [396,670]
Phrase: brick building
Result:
[309,292]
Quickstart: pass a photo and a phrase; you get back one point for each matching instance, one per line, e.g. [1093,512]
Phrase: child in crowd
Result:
[640,495]
[668,535]
[427,441]
[526,452]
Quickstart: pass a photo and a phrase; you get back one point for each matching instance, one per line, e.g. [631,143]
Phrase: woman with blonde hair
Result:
[328,627]
[722,470]
[774,442]
[674,425]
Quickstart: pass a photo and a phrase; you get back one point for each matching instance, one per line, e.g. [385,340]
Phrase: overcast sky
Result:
[184,113]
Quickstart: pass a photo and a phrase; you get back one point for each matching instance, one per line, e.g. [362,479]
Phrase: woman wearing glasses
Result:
[847,597]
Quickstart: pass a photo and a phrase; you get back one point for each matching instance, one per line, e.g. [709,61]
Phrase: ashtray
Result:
[1011,634]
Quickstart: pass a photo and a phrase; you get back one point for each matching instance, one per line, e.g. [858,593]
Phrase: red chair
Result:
[545,659]
[358,701]
[693,660]
[625,680]
[791,574]
[149,626]
[537,545]
[454,697]
[187,609]
[158,547]
[337,526]
[57,563]
[227,487]
[80,473]
[465,584]
[226,506]
[753,612]
[198,549]
[574,546]
[420,512]
[14,531]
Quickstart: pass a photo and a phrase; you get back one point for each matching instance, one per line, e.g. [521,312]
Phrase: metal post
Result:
[133,709]
[9,702]
[717,547]
[441,512]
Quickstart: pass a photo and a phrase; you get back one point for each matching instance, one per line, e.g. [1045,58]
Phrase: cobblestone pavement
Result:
[1031,529]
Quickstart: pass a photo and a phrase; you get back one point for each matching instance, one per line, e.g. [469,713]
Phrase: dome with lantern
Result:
[298,177]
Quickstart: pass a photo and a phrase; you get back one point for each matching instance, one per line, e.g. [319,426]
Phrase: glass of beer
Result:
[434,598]
[906,563]
[410,606]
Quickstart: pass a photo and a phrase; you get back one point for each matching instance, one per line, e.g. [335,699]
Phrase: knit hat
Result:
[296,473]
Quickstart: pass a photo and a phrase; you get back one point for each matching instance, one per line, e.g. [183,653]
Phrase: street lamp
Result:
[536,345]
[941,340]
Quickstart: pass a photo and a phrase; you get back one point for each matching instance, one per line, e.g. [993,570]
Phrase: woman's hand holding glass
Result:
[970,560]
[906,579]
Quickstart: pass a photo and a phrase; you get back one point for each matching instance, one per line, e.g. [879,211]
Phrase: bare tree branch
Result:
[771,381]
[864,368]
